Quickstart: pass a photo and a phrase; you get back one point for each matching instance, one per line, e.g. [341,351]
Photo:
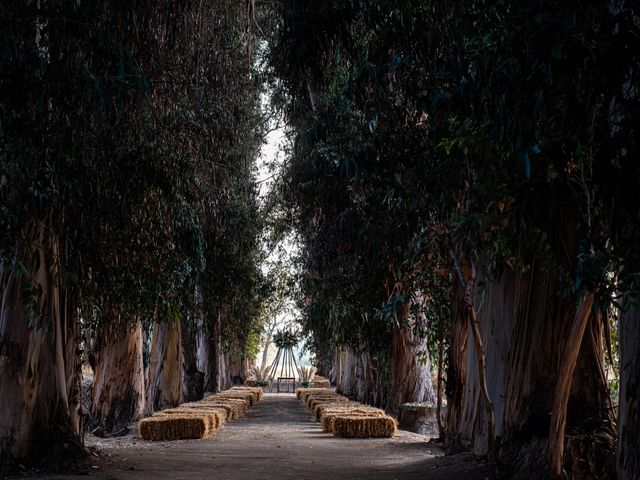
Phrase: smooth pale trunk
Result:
[265,352]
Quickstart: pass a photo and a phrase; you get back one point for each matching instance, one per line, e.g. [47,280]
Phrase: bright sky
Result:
[269,163]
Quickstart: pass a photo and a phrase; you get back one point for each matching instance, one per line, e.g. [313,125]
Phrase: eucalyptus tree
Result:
[481,155]
[116,123]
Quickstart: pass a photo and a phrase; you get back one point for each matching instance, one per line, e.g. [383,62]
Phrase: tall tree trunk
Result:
[524,321]
[345,379]
[192,377]
[40,413]
[441,430]
[118,391]
[238,366]
[410,380]
[563,385]
[206,359]
[629,417]
[212,361]
[455,438]
[265,352]
[164,385]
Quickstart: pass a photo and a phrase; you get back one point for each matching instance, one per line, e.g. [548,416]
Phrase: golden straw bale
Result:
[339,403]
[248,396]
[364,427]
[328,420]
[232,411]
[325,408]
[253,395]
[242,403]
[321,382]
[309,398]
[218,416]
[306,396]
[304,391]
[313,401]
[208,406]
[257,390]
[211,419]
[174,427]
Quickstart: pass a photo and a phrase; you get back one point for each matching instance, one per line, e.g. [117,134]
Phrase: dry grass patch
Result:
[363,427]
[175,427]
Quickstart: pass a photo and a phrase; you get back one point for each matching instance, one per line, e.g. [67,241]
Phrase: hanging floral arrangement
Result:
[285,339]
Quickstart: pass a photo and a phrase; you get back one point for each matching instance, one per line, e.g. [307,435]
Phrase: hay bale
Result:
[321,382]
[248,396]
[241,403]
[318,408]
[306,396]
[328,420]
[342,407]
[258,391]
[217,415]
[313,401]
[211,419]
[316,399]
[364,427]
[304,391]
[174,427]
[232,411]
[252,394]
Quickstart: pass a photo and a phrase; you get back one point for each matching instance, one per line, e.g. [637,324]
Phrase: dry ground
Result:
[278,440]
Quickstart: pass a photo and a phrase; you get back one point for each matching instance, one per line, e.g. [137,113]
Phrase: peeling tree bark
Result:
[164,385]
[118,392]
[192,377]
[40,413]
[563,385]
[410,380]
[482,379]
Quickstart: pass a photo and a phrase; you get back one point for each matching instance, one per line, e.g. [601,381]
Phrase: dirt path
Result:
[278,440]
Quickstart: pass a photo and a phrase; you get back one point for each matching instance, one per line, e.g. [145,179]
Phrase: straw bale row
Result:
[200,419]
[345,418]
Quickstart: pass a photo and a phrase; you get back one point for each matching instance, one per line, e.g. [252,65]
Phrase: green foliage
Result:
[128,135]
[448,134]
